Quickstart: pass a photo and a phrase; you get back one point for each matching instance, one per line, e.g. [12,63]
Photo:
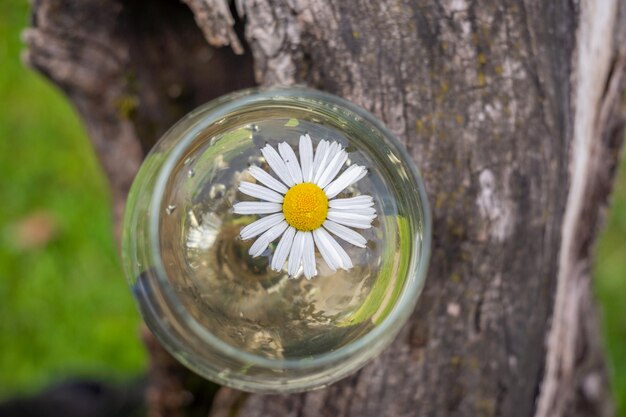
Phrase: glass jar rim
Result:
[416,272]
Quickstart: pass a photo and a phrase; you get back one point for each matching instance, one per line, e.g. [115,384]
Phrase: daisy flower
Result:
[300,207]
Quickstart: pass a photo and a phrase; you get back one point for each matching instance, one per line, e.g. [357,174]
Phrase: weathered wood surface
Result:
[514,113]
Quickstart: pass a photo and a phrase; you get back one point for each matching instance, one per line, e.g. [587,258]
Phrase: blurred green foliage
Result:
[65,308]
[610,287]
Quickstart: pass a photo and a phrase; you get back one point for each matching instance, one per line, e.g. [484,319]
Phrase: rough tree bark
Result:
[514,112]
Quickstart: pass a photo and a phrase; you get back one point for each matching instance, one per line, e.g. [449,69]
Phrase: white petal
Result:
[260,192]
[308,256]
[366,211]
[361,175]
[261,225]
[257,207]
[298,272]
[266,179]
[277,164]
[330,152]
[259,245]
[319,155]
[360,201]
[347,178]
[322,242]
[346,262]
[295,256]
[346,234]
[360,221]
[306,157]
[332,169]
[331,251]
[283,248]
[291,160]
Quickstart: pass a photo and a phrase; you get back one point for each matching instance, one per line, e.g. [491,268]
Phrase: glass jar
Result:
[226,314]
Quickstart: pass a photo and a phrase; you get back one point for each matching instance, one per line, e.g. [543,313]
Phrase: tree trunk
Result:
[514,112]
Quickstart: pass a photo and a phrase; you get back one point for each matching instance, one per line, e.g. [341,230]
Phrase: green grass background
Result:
[610,287]
[64,306]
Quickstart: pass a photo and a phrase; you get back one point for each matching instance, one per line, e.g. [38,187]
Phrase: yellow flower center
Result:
[305,206]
